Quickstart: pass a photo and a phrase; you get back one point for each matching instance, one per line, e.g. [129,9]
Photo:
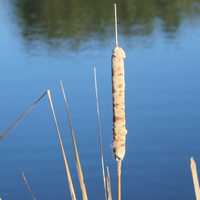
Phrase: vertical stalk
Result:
[108,184]
[100,135]
[119,174]
[116,28]
[195,178]
[75,147]
[66,165]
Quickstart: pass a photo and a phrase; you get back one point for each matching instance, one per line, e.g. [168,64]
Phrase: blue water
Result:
[162,104]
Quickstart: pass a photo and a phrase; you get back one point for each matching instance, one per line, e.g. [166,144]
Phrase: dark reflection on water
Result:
[77,21]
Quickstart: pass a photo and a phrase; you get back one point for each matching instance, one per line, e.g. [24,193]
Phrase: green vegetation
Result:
[77,21]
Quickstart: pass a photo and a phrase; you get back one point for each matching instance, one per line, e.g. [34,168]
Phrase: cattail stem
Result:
[119,174]
[66,165]
[116,29]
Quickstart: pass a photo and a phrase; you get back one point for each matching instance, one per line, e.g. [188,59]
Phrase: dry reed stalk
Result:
[28,186]
[100,135]
[195,178]
[66,165]
[75,147]
[22,116]
[118,93]
[108,184]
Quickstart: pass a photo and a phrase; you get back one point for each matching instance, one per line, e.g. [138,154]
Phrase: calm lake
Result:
[43,42]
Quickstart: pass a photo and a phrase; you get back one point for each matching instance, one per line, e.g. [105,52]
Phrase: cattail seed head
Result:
[118,93]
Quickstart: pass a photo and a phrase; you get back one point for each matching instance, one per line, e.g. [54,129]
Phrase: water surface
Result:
[45,41]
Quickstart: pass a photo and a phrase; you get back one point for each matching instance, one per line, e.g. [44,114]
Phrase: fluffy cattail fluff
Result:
[118,93]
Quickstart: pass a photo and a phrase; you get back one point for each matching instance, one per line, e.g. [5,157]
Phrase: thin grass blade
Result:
[21,117]
[28,186]
[75,147]
[100,135]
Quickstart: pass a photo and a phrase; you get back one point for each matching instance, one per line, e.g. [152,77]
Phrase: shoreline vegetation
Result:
[77,22]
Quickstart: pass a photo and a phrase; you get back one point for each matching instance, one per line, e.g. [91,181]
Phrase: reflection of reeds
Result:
[75,148]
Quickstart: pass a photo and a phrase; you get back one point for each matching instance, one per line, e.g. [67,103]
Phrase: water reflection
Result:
[77,21]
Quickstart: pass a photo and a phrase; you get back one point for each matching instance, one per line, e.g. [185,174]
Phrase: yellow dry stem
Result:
[60,141]
[75,147]
[195,178]
[118,92]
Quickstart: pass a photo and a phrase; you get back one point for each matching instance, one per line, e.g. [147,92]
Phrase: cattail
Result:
[118,93]
[119,118]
